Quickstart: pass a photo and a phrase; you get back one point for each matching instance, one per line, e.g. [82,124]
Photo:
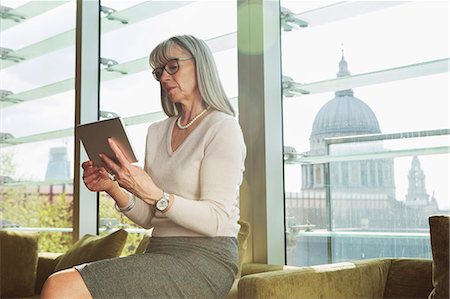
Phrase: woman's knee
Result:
[65,284]
[56,279]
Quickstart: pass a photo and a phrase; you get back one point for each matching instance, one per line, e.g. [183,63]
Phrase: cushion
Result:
[92,248]
[143,244]
[243,234]
[18,259]
[47,262]
[409,278]
[439,235]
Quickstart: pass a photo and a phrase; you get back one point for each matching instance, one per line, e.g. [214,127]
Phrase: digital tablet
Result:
[94,137]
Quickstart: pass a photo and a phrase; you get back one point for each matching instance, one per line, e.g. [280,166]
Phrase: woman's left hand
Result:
[131,177]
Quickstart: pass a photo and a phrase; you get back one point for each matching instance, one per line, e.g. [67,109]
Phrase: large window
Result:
[37,97]
[366,118]
[37,116]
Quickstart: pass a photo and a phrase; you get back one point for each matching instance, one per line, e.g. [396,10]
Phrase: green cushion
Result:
[92,248]
[439,235]
[47,262]
[18,259]
[143,244]
[408,278]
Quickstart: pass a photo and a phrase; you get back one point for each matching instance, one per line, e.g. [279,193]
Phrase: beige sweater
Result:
[203,174]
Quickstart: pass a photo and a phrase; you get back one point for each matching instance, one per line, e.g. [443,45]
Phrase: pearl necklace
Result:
[192,121]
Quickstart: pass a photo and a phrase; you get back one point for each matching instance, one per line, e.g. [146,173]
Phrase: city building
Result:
[58,167]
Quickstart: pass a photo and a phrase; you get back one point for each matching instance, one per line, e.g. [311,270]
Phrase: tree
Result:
[7,166]
[32,209]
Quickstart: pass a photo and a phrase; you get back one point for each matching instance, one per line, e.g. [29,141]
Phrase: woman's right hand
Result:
[96,178]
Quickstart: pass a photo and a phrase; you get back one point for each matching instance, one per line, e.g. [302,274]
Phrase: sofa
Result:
[373,278]
[24,270]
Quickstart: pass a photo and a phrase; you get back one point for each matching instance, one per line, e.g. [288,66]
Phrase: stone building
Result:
[362,193]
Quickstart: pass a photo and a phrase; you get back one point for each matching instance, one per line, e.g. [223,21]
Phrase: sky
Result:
[400,35]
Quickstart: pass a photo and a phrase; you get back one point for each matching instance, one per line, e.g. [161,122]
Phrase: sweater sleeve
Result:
[141,214]
[220,176]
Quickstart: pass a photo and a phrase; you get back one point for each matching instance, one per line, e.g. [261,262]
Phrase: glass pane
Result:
[36,175]
[356,206]
[128,88]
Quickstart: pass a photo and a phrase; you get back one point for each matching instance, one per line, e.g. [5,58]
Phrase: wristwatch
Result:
[163,203]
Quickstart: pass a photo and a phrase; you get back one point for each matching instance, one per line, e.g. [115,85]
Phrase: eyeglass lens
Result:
[171,68]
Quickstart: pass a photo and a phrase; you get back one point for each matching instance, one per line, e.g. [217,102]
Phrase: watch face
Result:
[162,204]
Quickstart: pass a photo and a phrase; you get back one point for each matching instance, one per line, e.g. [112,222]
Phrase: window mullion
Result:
[85,206]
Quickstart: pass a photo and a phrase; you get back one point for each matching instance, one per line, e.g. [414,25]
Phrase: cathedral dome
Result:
[344,114]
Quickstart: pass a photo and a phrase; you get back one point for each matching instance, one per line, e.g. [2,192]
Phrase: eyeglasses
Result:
[171,67]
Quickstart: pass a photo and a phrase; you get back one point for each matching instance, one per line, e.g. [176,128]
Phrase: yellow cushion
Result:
[92,248]
[47,262]
[18,259]
[143,244]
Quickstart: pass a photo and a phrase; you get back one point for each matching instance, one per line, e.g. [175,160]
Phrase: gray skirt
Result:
[172,267]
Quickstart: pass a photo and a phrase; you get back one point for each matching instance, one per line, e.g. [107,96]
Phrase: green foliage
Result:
[7,166]
[56,214]
[27,207]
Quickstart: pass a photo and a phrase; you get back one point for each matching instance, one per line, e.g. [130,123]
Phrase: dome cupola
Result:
[344,115]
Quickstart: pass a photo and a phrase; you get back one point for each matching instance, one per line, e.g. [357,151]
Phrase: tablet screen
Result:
[94,137]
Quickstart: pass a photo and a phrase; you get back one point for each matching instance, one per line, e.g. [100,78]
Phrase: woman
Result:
[187,191]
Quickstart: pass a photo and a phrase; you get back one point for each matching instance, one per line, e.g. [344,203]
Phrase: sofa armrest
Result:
[46,266]
[409,278]
[360,279]
[253,268]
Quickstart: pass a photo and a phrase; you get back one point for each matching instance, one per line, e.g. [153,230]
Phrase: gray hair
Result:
[208,79]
